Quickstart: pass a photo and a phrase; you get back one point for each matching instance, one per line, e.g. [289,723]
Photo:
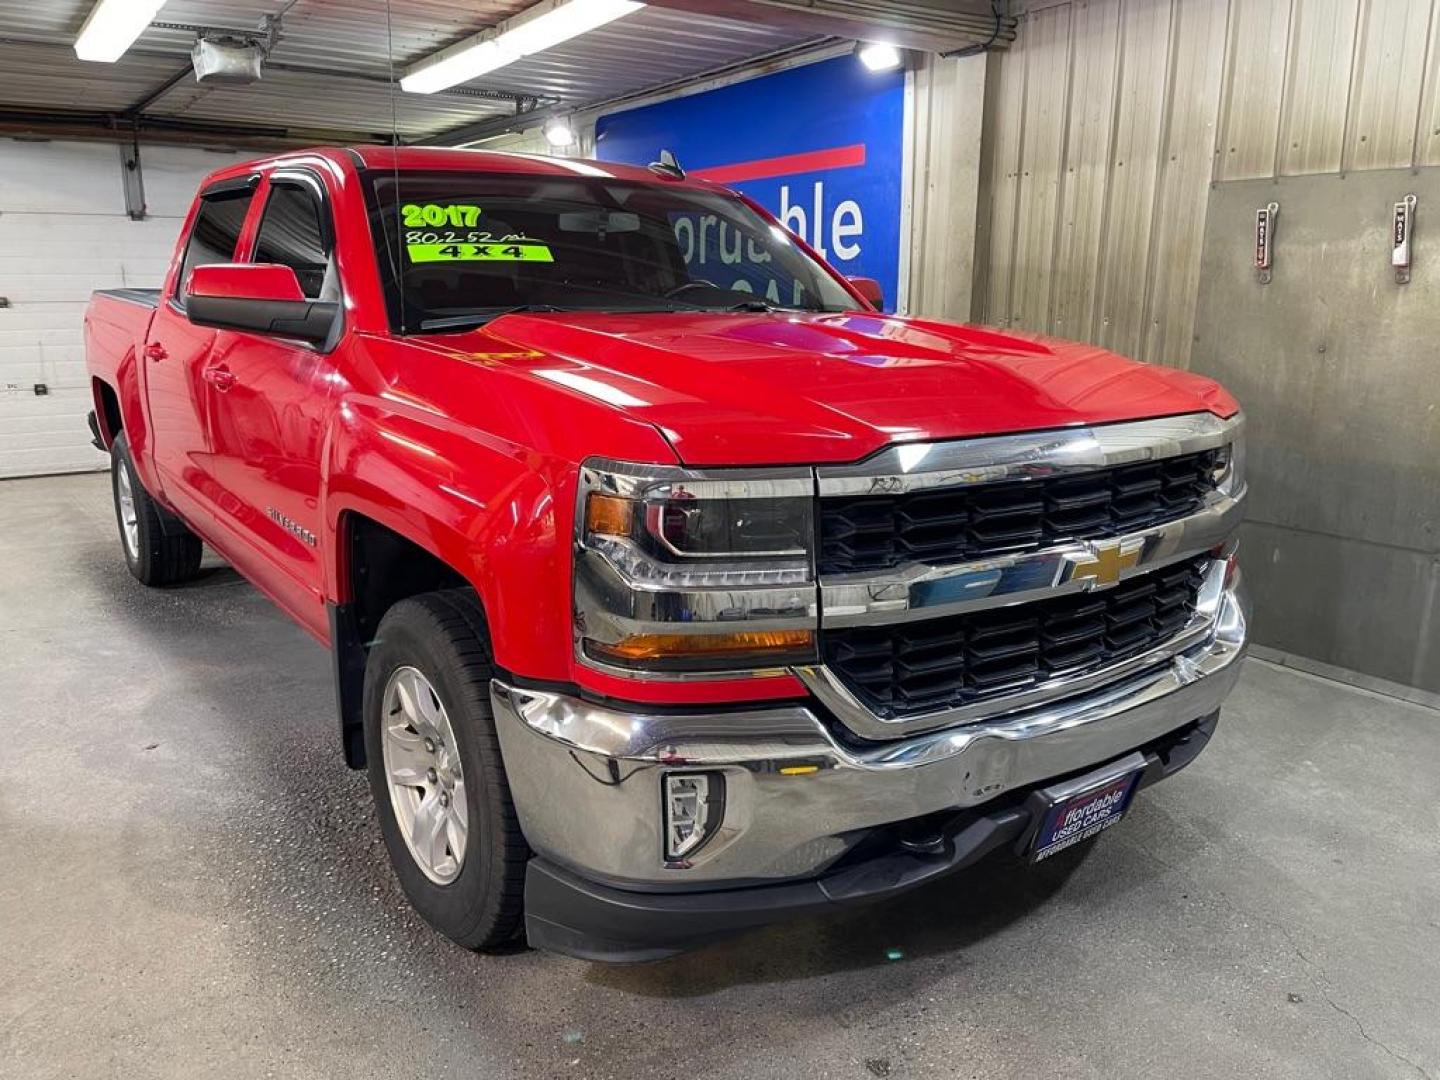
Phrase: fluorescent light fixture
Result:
[112,27]
[559,133]
[877,56]
[449,70]
[534,30]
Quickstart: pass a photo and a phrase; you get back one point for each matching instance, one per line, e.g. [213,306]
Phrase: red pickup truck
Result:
[666,603]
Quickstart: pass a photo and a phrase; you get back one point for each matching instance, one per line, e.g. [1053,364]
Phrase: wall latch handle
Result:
[1402,234]
[1265,240]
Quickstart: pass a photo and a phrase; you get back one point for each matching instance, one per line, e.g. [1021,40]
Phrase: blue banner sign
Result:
[819,146]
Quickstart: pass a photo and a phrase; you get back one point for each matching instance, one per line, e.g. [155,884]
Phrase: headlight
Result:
[673,524]
[682,571]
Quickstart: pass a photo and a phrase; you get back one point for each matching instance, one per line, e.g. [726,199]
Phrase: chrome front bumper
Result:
[586,778]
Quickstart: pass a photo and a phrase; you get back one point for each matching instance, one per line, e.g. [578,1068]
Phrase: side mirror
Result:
[264,298]
[870,290]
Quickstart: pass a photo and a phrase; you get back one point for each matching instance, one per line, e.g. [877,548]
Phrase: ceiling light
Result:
[461,66]
[533,30]
[559,133]
[877,56]
[112,27]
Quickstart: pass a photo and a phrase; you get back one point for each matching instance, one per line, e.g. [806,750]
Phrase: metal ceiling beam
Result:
[492,126]
[159,91]
[939,26]
[113,127]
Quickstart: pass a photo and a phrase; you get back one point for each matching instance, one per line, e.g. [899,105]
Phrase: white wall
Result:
[64,232]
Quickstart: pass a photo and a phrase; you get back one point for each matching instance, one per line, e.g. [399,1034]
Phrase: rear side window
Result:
[216,232]
[291,234]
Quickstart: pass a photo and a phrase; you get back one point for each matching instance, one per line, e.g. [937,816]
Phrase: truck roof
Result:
[434,158]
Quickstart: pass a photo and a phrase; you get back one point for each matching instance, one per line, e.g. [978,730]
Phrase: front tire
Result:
[159,548]
[436,772]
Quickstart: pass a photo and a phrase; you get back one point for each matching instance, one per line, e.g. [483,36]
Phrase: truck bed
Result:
[116,323]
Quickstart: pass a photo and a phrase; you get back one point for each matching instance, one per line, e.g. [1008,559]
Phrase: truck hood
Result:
[783,388]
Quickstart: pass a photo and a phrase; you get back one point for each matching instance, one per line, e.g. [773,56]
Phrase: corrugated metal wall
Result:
[943,150]
[1127,143]
[1108,120]
[1334,362]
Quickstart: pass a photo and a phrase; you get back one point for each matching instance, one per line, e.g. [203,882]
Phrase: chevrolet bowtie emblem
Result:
[1107,561]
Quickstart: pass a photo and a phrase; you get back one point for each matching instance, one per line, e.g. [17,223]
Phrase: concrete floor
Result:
[193,885]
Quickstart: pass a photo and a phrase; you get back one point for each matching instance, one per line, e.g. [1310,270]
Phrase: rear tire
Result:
[436,773]
[159,548]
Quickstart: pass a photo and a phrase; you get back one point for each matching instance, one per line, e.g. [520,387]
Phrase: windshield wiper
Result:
[765,305]
[480,318]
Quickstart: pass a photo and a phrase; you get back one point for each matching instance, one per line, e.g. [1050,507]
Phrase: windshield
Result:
[457,249]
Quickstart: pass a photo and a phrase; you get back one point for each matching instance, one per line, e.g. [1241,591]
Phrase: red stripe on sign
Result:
[838,157]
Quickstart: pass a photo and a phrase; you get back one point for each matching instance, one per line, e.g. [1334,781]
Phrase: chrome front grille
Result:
[937,526]
[965,579]
[908,668]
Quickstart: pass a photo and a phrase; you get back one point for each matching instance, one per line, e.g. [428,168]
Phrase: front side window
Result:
[458,249]
[216,232]
[291,234]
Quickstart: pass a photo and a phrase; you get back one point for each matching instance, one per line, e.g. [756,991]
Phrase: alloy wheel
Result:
[422,768]
[129,519]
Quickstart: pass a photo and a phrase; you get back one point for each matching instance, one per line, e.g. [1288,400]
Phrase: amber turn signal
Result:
[662,646]
[608,515]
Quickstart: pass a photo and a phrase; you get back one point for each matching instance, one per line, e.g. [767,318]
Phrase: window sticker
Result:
[508,250]
[445,232]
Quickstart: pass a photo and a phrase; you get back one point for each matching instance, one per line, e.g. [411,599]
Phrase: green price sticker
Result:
[430,253]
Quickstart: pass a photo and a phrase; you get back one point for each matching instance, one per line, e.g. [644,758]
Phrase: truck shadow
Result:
[943,918]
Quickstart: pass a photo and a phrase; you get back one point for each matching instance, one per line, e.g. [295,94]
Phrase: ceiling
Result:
[327,77]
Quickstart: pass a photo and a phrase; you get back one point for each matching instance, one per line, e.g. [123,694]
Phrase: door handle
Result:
[220,377]
[155,351]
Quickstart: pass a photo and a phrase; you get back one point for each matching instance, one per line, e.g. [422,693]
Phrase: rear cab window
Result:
[216,233]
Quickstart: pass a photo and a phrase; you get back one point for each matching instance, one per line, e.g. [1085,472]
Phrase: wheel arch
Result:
[473,508]
[108,416]
[377,564]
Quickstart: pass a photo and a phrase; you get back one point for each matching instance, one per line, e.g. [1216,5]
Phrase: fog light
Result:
[693,808]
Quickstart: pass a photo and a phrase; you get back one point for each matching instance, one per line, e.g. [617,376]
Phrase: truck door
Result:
[270,400]
[174,357]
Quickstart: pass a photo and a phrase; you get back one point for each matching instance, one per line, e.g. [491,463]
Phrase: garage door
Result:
[64,232]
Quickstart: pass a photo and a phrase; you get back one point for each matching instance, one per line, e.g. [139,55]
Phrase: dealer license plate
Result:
[1083,815]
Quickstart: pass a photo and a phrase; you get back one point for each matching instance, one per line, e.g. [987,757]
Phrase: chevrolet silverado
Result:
[666,601]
